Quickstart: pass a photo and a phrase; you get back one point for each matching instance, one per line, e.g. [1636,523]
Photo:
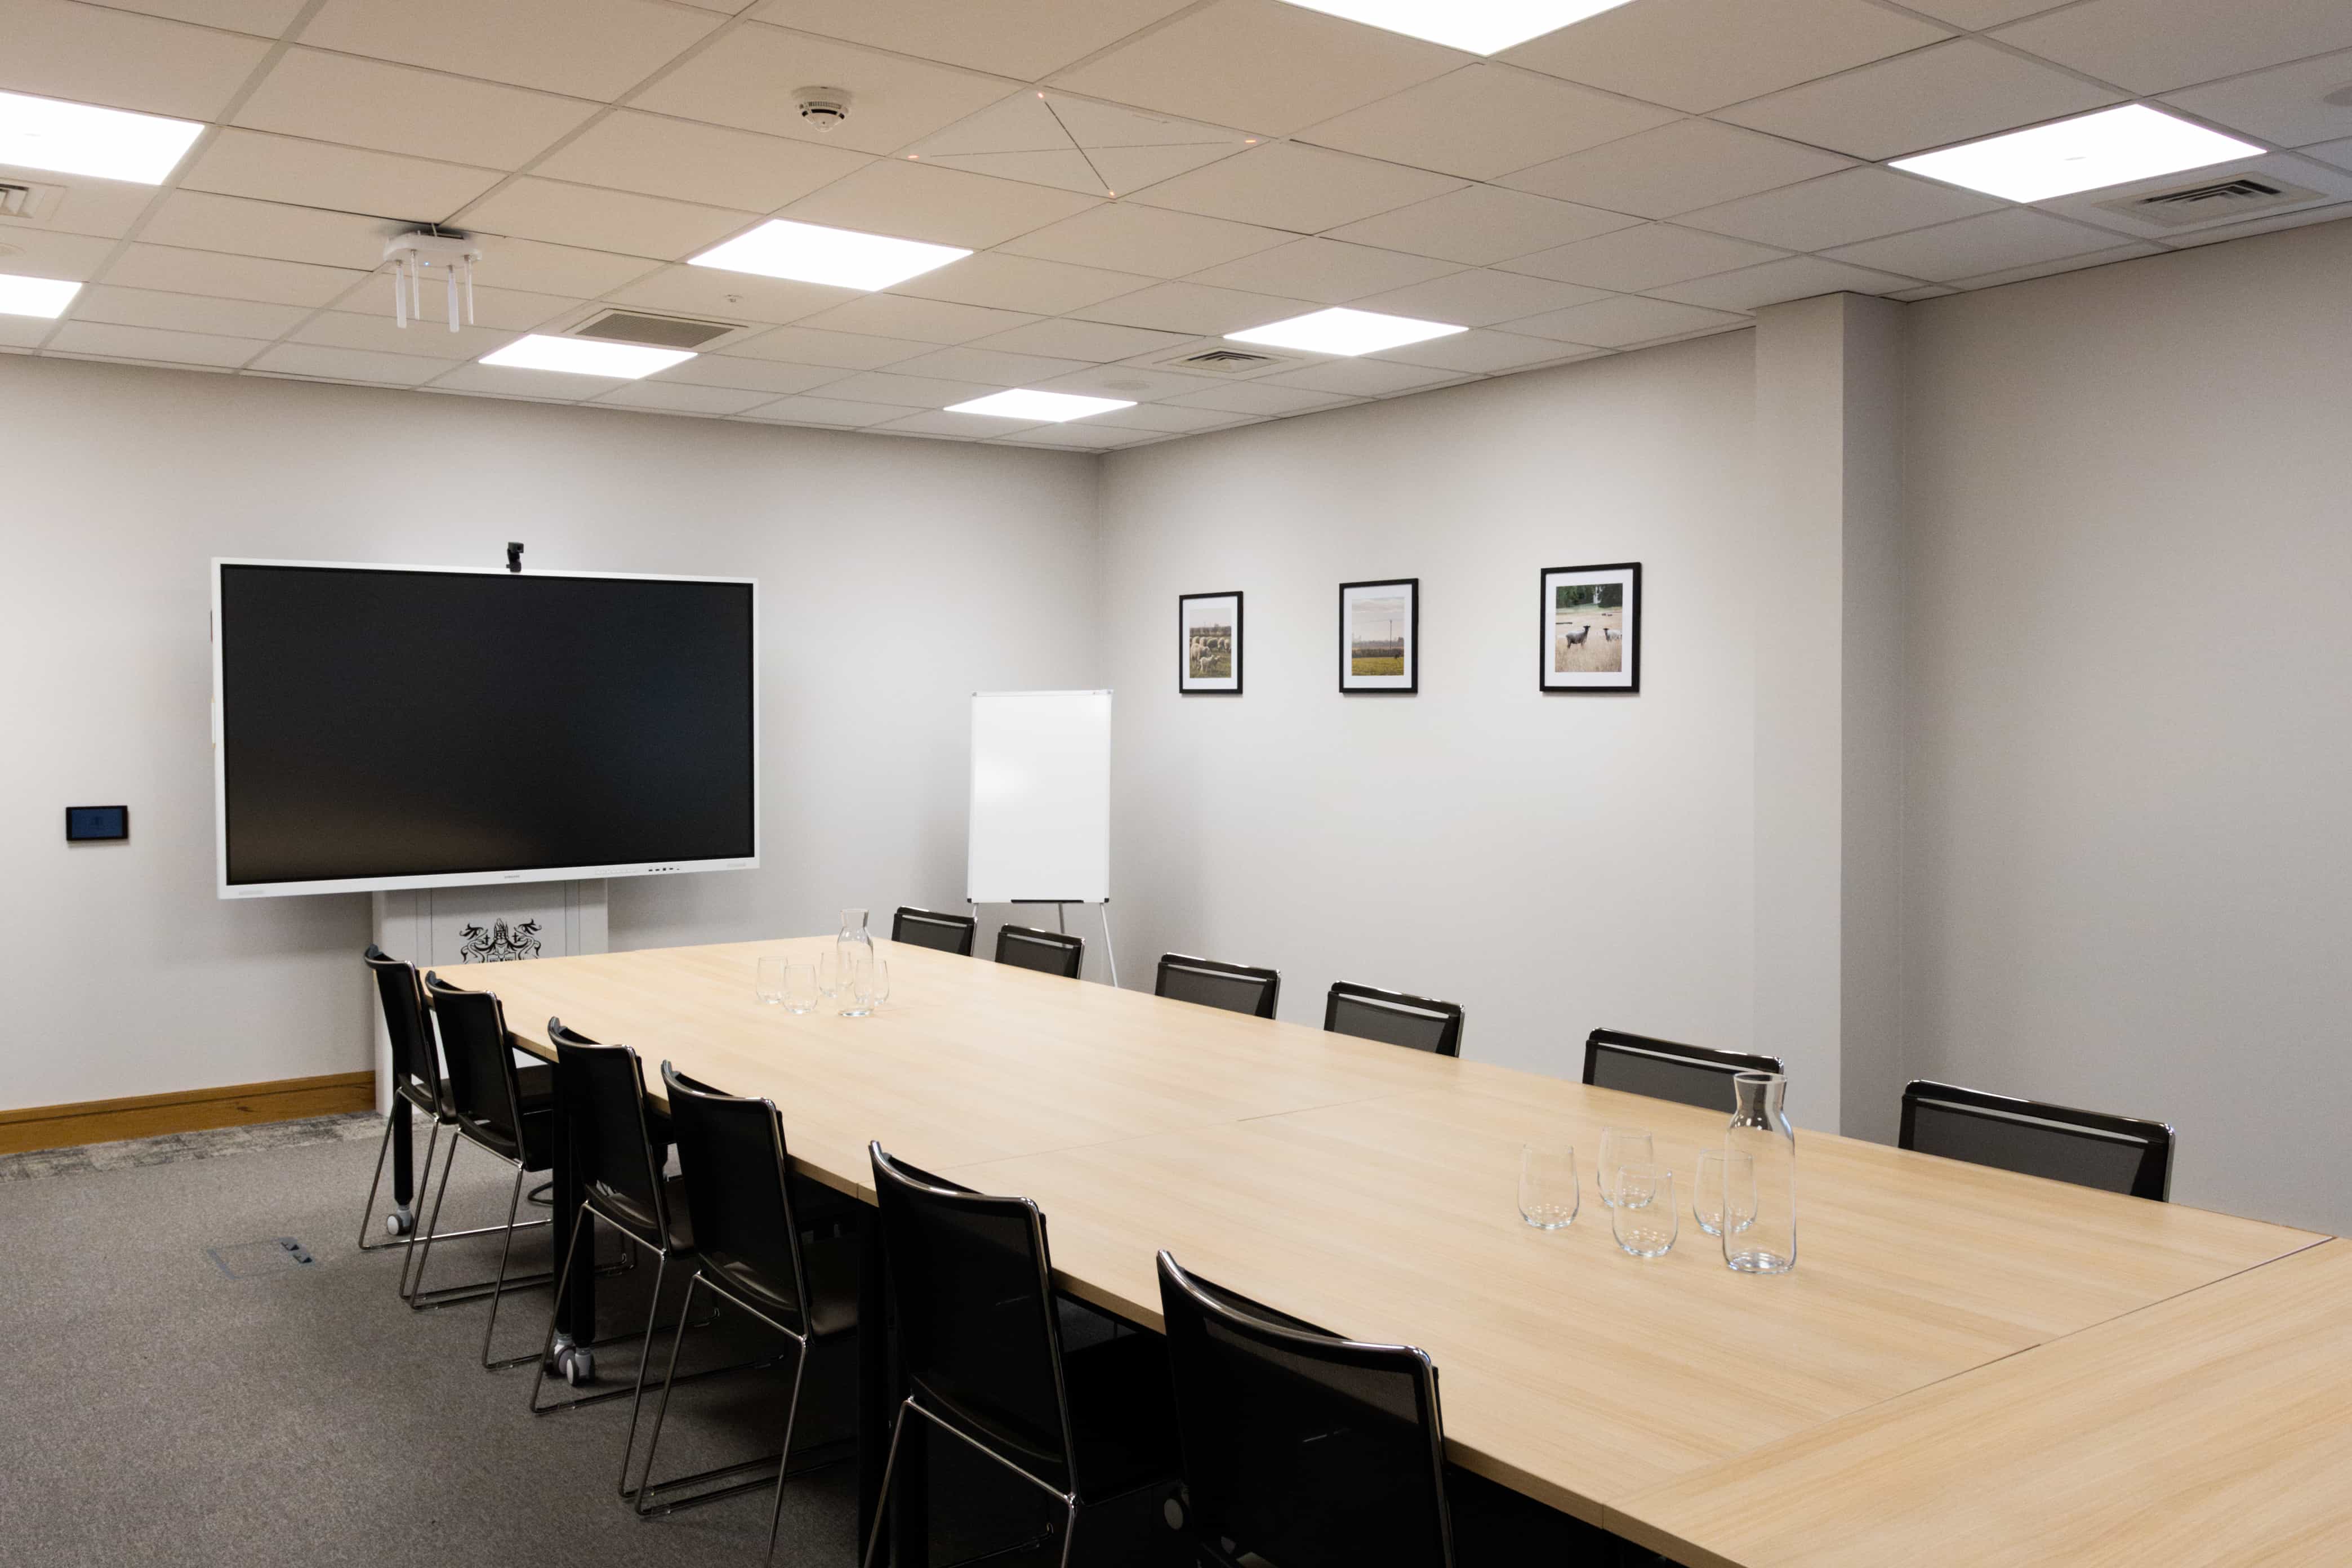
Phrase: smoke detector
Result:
[824,107]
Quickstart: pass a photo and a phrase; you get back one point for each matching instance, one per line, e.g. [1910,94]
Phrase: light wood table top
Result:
[2213,1429]
[1372,1190]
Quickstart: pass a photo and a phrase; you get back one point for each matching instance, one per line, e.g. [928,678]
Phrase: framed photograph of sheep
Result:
[1591,637]
[1380,636]
[1208,643]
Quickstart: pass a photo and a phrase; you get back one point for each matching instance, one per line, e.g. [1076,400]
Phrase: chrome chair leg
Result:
[785,1457]
[367,1213]
[645,1355]
[890,1466]
[498,1287]
[661,1409]
[412,1292]
[562,1281]
[1069,1534]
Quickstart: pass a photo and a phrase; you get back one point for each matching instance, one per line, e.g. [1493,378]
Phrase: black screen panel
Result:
[379,723]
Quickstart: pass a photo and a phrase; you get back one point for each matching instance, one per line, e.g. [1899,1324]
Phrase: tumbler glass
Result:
[1644,1215]
[1549,1193]
[1620,1147]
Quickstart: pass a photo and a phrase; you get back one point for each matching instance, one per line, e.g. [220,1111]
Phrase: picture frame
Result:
[1209,644]
[1589,628]
[1380,636]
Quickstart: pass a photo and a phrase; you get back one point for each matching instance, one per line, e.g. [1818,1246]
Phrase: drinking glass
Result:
[1549,1193]
[1644,1215]
[1725,1182]
[1620,1147]
[767,981]
[800,988]
[828,972]
[857,986]
[881,988]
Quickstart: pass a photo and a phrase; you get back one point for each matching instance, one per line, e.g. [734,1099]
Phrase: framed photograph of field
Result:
[1380,636]
[1208,643]
[1591,637]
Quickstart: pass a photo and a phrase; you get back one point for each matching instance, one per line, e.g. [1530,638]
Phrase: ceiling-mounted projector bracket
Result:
[413,254]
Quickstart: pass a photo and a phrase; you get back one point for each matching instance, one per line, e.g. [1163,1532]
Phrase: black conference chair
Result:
[928,928]
[1235,987]
[415,1078]
[499,1110]
[981,1347]
[739,1193]
[1664,1069]
[1392,1016]
[1049,951]
[2088,1148]
[1313,1451]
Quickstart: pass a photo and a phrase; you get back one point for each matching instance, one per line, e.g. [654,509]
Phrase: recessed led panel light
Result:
[1343,331]
[1054,406]
[44,297]
[578,356]
[2111,147]
[810,253]
[82,139]
[1481,26]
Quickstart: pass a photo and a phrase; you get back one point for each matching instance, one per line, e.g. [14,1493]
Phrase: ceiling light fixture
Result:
[1343,331]
[44,297]
[1054,407]
[82,139]
[2111,147]
[1481,26]
[576,357]
[810,253]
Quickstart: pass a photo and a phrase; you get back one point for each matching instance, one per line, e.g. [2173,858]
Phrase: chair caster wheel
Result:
[400,1221]
[577,1364]
[1172,1511]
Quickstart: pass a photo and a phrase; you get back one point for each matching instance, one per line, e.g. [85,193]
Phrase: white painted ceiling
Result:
[1653,173]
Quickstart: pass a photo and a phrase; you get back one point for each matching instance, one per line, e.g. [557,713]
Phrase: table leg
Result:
[404,1157]
[906,1535]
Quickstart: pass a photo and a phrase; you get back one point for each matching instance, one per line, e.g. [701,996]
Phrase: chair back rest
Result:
[1300,1446]
[483,1095]
[414,1061]
[737,1185]
[1233,986]
[2088,1148]
[928,928]
[1047,951]
[1392,1016]
[971,1284]
[1664,1069]
[602,1091]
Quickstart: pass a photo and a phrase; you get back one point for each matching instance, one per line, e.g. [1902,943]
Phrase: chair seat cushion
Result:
[833,1286]
[634,1217]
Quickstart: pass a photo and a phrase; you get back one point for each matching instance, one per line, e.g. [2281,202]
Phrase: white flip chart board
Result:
[1040,797]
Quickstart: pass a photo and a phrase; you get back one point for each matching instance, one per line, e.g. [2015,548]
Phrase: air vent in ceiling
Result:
[1222,361]
[25,201]
[661,331]
[2209,201]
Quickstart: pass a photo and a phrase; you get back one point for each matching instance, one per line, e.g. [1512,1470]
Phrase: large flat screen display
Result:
[405,727]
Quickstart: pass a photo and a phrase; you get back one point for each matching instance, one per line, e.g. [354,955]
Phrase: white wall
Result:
[896,576]
[1552,862]
[2130,656]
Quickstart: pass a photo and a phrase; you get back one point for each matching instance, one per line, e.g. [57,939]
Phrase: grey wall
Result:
[2129,601]
[1553,862]
[896,576]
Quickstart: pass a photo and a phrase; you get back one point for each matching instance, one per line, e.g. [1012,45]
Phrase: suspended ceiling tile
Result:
[1677,168]
[1165,417]
[1082,434]
[1841,208]
[1076,144]
[40,253]
[540,386]
[621,221]
[725,296]
[106,208]
[383,335]
[1791,278]
[1257,397]
[943,206]
[95,55]
[813,346]
[1978,15]
[398,109]
[1258,64]
[1648,257]
[1363,377]
[1097,343]
[199,220]
[824,411]
[2288,105]
[1925,291]
[1067,170]
[922,320]
[1485,121]
[1975,246]
[2155,46]
[769,376]
[263,19]
[183,313]
[1135,383]
[502,309]
[1949,93]
[1285,185]
[1482,224]
[751,79]
[588,48]
[686,161]
[2063,264]
[1195,308]
[1485,352]
[996,366]
[349,364]
[25,334]
[971,427]
[535,266]
[1330,270]
[153,345]
[1022,38]
[908,391]
[1148,241]
[184,272]
[1479,296]
[322,175]
[1623,321]
[1021,283]
[684,397]
[1699,55]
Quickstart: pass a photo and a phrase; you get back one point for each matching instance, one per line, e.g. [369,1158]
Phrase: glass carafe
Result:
[855,944]
[1759,1131]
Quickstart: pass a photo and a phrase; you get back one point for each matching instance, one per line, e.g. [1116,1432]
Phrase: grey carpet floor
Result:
[175,1390]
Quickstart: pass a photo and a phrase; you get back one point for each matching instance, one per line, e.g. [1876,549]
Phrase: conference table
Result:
[1967,1367]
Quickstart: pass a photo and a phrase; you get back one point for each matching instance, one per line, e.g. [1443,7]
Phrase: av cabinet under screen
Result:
[405,727]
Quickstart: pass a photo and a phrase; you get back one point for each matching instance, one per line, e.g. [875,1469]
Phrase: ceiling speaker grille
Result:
[660,331]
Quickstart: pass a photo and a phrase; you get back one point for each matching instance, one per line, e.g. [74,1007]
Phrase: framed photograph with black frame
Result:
[1590,635]
[1208,643]
[1380,636]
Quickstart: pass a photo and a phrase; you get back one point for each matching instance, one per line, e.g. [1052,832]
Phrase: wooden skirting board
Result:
[183,1110]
